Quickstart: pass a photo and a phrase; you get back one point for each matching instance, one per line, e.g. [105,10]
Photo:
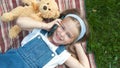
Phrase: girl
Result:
[40,49]
[76,49]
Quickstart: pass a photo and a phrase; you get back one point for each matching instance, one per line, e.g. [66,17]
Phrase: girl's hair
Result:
[71,48]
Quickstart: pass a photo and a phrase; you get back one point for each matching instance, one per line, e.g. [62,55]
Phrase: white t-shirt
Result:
[58,59]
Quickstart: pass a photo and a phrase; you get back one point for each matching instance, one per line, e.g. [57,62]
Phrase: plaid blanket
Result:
[7,5]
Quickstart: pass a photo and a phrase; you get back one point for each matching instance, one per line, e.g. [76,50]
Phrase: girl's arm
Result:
[83,60]
[27,23]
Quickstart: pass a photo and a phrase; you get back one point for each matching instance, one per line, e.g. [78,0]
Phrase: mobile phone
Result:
[54,27]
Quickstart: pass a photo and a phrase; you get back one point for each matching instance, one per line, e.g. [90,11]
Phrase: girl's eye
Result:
[63,27]
[68,34]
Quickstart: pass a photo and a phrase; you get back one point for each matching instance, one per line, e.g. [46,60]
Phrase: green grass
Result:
[104,41]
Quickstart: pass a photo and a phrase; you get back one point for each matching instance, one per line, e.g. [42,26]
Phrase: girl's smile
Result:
[57,36]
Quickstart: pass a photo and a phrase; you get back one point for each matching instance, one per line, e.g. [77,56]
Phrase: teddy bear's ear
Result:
[35,5]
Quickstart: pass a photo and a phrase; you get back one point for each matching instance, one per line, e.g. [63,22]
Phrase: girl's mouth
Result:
[57,37]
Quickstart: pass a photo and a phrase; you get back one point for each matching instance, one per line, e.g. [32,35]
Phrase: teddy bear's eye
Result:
[47,3]
[49,9]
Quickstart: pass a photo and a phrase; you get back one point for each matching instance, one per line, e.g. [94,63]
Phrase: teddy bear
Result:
[36,10]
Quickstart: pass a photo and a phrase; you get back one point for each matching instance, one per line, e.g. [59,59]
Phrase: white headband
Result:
[82,24]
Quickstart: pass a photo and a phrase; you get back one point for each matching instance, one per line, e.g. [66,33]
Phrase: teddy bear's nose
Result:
[45,7]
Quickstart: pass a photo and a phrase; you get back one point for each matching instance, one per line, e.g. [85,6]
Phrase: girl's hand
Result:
[50,24]
[29,23]
[77,44]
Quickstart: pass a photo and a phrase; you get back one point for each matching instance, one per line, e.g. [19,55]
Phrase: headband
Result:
[82,24]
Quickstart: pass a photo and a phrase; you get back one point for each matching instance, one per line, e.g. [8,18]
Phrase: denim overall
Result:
[34,54]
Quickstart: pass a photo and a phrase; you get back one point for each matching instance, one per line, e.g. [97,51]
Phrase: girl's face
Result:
[66,33]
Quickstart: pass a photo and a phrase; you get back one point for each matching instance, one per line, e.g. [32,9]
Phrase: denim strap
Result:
[60,49]
[43,31]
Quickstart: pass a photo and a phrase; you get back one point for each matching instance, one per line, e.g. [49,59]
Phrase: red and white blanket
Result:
[7,5]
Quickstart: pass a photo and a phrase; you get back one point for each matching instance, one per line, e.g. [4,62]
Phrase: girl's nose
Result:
[62,33]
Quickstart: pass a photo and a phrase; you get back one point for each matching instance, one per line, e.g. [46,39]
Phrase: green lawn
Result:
[104,20]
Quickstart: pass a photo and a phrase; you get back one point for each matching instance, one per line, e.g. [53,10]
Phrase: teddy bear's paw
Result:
[12,34]
[7,17]
[14,31]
